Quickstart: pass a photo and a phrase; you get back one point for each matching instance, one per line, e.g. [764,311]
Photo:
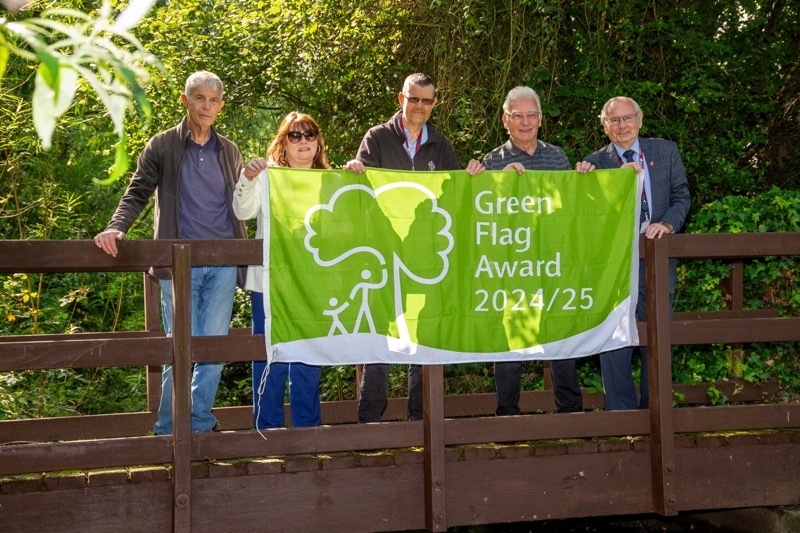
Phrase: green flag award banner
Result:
[442,267]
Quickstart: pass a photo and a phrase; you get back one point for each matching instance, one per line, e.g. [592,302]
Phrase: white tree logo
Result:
[335,253]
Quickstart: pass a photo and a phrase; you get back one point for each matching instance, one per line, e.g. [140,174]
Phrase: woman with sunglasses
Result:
[298,144]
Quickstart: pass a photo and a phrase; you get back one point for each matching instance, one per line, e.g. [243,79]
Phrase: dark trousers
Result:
[616,367]
[375,392]
[507,375]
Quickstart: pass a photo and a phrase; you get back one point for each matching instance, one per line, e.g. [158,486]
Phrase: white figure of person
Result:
[363,310]
[337,325]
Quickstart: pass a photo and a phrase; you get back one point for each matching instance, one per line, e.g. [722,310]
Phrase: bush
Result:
[769,283]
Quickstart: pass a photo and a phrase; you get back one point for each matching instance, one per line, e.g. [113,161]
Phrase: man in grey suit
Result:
[665,204]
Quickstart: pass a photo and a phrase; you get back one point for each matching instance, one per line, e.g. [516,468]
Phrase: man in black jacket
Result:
[406,142]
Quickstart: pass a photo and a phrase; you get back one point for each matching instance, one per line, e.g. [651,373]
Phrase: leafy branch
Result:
[69,46]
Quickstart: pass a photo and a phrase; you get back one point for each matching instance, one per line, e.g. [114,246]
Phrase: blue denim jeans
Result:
[213,289]
[268,399]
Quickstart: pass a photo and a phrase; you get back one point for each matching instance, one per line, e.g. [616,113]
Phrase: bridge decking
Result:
[457,467]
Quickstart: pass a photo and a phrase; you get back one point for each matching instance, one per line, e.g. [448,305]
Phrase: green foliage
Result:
[71,46]
[593,383]
[706,74]
[48,393]
[338,383]
[769,283]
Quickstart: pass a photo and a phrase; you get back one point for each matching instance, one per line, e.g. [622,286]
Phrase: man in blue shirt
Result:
[192,170]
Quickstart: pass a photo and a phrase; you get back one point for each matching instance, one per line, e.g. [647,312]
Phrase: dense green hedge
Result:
[769,283]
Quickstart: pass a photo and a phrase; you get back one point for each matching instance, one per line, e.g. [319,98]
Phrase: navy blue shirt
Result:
[203,211]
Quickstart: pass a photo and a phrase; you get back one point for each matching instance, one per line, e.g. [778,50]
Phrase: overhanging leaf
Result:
[121,162]
[50,100]
[3,58]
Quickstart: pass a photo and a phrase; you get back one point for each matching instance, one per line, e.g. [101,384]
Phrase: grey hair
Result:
[203,78]
[521,92]
[420,79]
[604,112]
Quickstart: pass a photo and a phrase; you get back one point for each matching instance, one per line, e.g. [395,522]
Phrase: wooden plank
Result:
[433,424]
[735,330]
[741,314]
[348,500]
[733,245]
[76,427]
[235,348]
[522,428]
[50,457]
[305,440]
[737,418]
[152,323]
[659,377]
[734,476]
[181,389]
[542,487]
[133,256]
[58,337]
[130,508]
[486,485]
[90,353]
[344,412]
[81,256]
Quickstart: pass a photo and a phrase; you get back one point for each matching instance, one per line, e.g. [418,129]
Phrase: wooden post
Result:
[433,419]
[152,322]
[662,435]
[735,287]
[181,388]
[359,377]
[547,374]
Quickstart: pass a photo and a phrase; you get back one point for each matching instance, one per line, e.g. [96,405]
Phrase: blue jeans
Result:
[213,288]
[268,399]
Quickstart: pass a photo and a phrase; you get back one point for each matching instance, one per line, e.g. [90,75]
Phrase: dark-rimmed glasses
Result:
[295,136]
[416,99]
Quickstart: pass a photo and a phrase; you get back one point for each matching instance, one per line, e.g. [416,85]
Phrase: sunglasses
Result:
[295,136]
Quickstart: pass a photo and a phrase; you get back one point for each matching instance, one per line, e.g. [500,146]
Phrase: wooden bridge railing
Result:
[120,438]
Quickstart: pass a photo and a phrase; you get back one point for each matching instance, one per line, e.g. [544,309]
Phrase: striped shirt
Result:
[546,157]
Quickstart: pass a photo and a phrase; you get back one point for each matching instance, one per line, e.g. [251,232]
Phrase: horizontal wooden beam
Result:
[737,418]
[733,245]
[133,256]
[85,454]
[89,353]
[734,330]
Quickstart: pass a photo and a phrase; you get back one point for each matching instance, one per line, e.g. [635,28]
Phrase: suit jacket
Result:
[668,185]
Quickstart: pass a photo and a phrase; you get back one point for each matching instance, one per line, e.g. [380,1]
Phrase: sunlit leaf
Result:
[121,162]
[133,14]
[3,58]
[50,100]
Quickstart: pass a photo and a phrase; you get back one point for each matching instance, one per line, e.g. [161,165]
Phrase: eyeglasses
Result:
[519,117]
[616,121]
[416,100]
[295,136]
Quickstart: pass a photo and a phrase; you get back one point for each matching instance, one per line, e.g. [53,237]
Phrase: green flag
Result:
[442,267]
